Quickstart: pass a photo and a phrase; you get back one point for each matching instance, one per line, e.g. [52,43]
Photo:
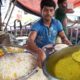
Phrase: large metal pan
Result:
[10,53]
[53,58]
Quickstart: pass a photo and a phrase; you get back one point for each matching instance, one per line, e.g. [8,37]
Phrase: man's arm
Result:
[69,20]
[69,10]
[31,45]
[64,38]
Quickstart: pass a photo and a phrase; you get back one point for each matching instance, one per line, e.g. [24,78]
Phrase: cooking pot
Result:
[51,48]
[56,56]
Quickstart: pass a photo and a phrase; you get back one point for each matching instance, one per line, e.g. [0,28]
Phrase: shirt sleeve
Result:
[35,27]
[59,26]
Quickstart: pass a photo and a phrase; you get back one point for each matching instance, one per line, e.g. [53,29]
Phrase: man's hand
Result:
[69,11]
[41,57]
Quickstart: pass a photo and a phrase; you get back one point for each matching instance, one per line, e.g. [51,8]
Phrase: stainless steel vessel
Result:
[53,58]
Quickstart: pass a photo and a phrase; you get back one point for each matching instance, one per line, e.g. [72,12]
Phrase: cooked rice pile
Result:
[15,66]
[60,46]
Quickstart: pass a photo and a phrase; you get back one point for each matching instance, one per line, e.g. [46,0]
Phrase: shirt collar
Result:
[41,21]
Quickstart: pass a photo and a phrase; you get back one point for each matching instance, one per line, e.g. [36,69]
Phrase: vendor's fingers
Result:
[39,63]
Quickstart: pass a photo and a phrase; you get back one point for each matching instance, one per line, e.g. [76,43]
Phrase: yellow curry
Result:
[68,68]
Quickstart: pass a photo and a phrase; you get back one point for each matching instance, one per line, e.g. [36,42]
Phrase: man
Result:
[60,13]
[45,30]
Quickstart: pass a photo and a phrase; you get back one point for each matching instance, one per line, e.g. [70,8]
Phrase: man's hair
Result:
[60,1]
[49,3]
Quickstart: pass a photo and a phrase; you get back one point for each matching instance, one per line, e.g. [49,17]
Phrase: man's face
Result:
[47,12]
[64,4]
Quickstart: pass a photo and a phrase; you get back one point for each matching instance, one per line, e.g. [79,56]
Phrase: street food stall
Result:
[17,63]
